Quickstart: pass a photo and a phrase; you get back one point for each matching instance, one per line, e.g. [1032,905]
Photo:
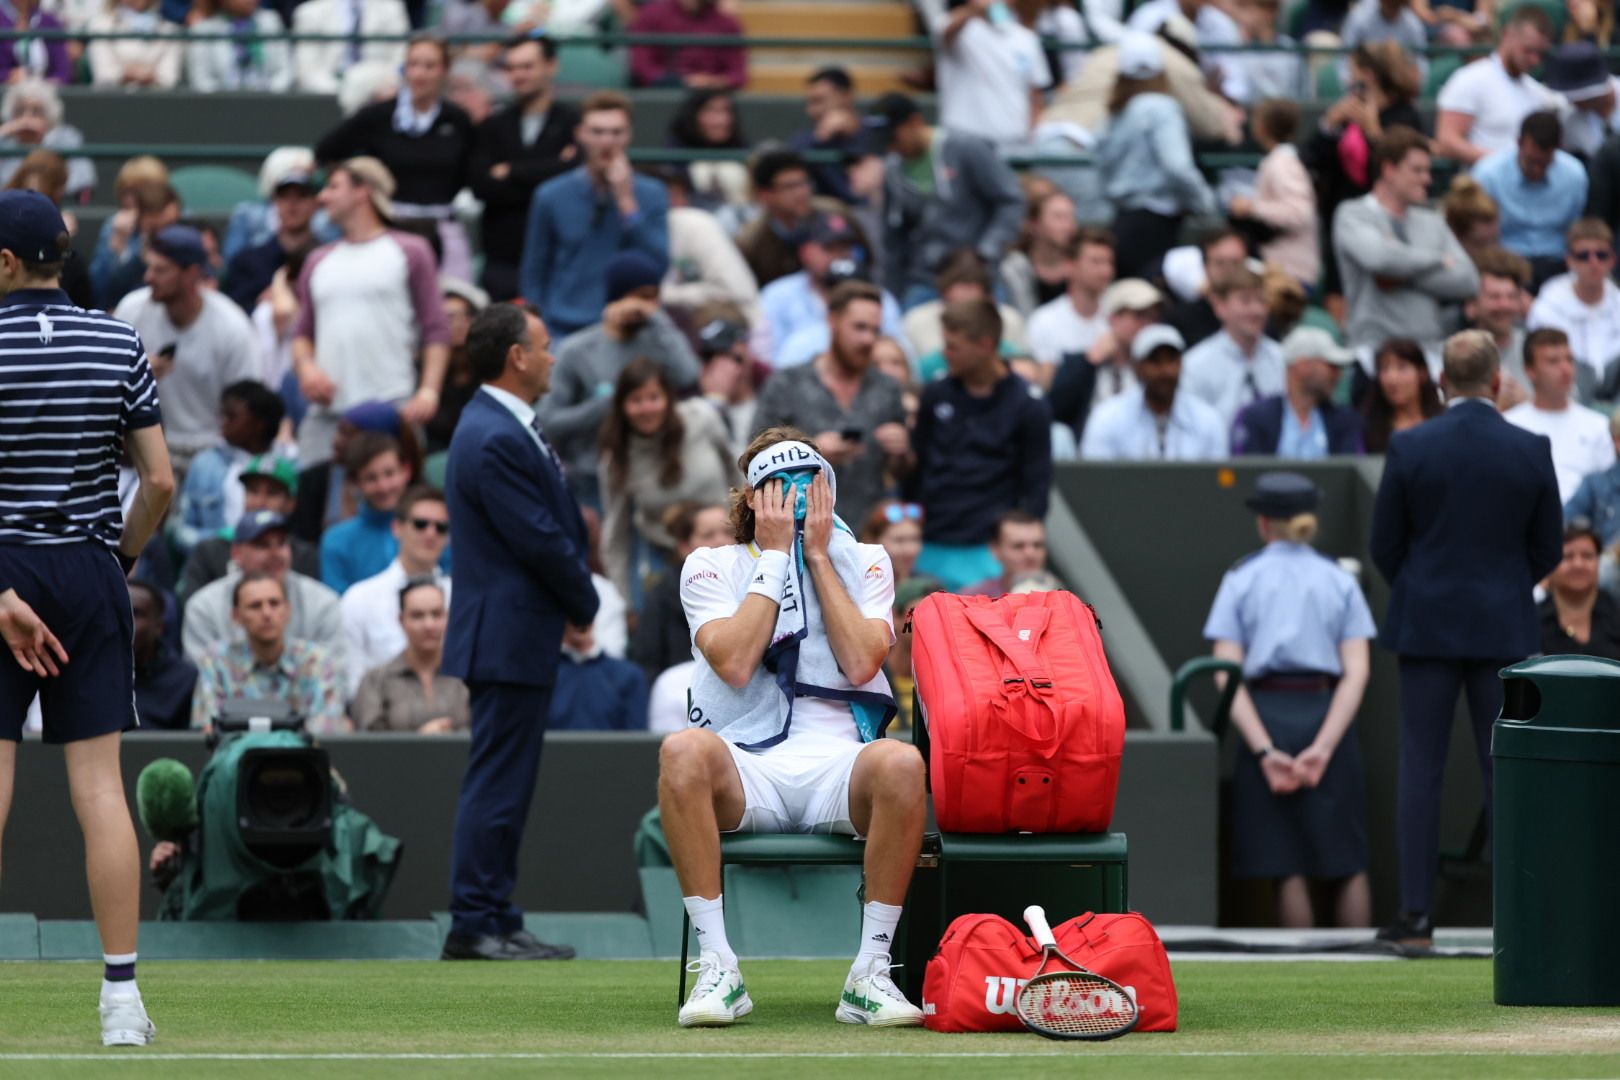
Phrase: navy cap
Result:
[720,336]
[1576,70]
[629,271]
[888,113]
[834,230]
[31,226]
[1282,495]
[180,244]
[255,523]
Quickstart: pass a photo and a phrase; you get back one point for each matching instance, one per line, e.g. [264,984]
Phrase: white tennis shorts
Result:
[801,786]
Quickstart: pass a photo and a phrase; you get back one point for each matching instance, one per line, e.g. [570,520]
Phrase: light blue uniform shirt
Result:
[1534,216]
[1290,607]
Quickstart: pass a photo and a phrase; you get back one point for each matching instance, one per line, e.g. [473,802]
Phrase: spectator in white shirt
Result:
[1155,421]
[1483,103]
[370,608]
[1584,303]
[1102,370]
[991,70]
[373,34]
[1239,365]
[1580,436]
[133,62]
[1070,323]
[215,61]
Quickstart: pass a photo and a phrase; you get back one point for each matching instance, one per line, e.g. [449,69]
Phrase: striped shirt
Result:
[72,383]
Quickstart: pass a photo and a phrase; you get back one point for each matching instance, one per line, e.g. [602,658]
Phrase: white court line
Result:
[137,1055]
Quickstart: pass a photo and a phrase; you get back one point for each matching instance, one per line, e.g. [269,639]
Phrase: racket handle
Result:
[1035,916]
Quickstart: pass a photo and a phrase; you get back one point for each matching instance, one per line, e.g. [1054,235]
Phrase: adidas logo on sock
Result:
[884,938]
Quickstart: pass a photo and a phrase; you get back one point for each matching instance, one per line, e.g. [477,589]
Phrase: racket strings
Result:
[1073,1003]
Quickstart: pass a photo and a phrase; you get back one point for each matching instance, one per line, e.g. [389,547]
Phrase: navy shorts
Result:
[79,590]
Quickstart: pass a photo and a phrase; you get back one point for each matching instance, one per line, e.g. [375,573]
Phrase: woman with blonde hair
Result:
[1299,626]
[1472,215]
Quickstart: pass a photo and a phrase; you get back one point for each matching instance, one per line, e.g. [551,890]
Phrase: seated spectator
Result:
[794,330]
[224,64]
[1399,263]
[363,546]
[31,117]
[1036,271]
[1211,26]
[963,277]
[372,633]
[990,70]
[1483,103]
[595,692]
[612,626]
[1597,500]
[324,498]
[983,447]
[133,62]
[704,265]
[707,120]
[726,380]
[256,222]
[1540,190]
[1581,443]
[854,408]
[463,301]
[250,415]
[835,125]
[1071,322]
[361,32]
[261,546]
[1087,377]
[1401,394]
[942,192]
[1584,303]
[770,243]
[1019,547]
[408,692]
[662,638]
[1283,207]
[1576,71]
[163,677]
[1218,254]
[897,528]
[1373,21]
[657,453]
[264,662]
[1154,420]
[564,271]
[249,272]
[268,483]
[199,341]
[1273,72]
[1240,365]
[589,364]
[33,57]
[1472,216]
[695,66]
[1303,422]
[117,268]
[1576,616]
[1499,309]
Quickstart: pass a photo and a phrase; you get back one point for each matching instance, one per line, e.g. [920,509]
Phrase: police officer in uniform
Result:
[1299,625]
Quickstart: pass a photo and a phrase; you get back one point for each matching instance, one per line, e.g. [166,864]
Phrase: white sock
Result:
[709,920]
[116,962]
[878,923]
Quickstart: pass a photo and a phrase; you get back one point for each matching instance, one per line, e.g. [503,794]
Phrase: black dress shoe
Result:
[525,946]
[1409,931]
[477,947]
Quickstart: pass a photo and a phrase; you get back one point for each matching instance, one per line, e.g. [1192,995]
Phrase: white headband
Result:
[789,456]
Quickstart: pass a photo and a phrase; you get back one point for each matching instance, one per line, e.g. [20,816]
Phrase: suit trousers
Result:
[508,732]
[1429,689]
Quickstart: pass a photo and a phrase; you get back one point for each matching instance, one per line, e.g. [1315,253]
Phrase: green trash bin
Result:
[1556,751]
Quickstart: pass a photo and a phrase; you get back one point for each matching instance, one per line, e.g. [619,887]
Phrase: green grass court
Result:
[394,1019]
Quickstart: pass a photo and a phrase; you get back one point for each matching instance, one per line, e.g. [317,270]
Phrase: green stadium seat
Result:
[1441,67]
[1328,86]
[591,67]
[213,189]
[433,468]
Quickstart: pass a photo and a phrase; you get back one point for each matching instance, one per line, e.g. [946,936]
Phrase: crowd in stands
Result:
[947,327]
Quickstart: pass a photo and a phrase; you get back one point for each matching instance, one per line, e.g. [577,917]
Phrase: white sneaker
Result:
[719,996]
[873,999]
[124,1021]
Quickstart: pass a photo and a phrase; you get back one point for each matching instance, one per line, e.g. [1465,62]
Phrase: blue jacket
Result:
[1598,501]
[1466,522]
[519,556]
[574,232]
[599,694]
[1258,429]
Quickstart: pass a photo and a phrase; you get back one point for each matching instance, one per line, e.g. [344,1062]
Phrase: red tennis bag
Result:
[1025,724]
[973,981]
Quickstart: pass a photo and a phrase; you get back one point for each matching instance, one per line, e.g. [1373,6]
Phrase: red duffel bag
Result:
[973,981]
[1025,724]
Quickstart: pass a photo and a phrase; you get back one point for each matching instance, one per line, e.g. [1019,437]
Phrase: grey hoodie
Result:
[1395,282]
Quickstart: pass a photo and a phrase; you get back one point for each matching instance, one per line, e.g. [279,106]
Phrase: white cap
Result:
[1314,343]
[1141,56]
[1157,336]
[1131,294]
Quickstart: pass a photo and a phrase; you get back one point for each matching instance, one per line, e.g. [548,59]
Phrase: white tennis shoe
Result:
[719,997]
[874,1000]
[124,1021]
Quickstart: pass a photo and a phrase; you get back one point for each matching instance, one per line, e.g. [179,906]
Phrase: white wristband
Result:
[770,575]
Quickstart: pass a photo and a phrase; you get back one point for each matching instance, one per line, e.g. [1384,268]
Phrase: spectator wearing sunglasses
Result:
[1584,303]
[371,608]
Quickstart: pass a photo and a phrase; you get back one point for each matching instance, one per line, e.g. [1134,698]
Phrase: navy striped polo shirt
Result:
[72,382]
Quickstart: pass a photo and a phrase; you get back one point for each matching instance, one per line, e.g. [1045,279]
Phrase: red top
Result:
[658,65]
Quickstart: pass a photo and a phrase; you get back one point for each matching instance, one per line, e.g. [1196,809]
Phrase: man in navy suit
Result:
[1467,521]
[520,573]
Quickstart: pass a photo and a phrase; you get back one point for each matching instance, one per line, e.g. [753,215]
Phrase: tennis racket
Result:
[1071,1002]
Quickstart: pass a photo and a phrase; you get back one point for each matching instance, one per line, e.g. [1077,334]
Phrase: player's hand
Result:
[892,438]
[29,639]
[421,407]
[1278,769]
[317,386]
[773,517]
[1311,763]
[818,518]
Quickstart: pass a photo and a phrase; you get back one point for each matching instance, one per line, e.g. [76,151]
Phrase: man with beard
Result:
[1303,422]
[1152,421]
[854,408]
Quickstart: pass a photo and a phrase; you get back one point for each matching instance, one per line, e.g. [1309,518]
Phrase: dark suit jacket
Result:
[506,202]
[1467,521]
[519,556]
[1258,428]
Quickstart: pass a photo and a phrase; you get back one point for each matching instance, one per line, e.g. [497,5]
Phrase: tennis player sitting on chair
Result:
[788,707]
